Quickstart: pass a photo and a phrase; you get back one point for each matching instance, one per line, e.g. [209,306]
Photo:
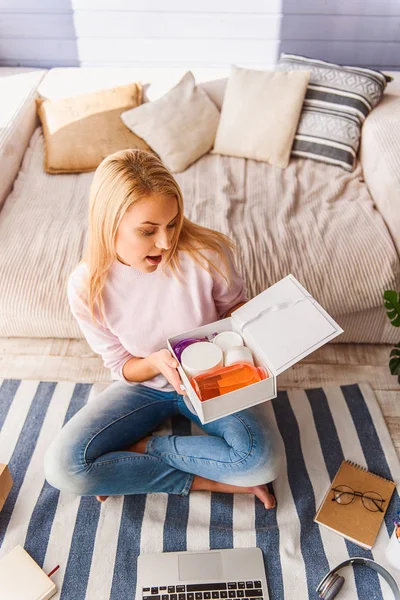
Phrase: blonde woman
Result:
[148,274]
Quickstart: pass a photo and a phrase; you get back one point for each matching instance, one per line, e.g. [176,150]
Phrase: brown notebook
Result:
[353,521]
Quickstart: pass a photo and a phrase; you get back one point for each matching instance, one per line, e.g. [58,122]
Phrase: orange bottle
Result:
[227,379]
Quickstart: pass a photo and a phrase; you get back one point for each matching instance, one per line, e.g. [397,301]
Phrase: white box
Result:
[280,326]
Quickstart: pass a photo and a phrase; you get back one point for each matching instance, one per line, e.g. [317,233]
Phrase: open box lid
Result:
[285,324]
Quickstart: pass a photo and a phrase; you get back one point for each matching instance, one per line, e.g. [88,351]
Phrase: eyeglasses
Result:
[372,501]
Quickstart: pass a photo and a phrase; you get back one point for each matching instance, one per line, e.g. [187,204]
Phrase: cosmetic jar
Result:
[179,347]
[238,354]
[393,551]
[228,339]
[201,357]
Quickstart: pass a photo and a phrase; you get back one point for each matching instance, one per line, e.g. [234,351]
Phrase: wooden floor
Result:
[333,364]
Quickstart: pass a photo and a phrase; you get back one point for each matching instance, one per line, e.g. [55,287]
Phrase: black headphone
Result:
[332,583]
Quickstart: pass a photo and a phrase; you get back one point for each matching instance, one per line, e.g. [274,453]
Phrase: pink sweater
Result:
[142,309]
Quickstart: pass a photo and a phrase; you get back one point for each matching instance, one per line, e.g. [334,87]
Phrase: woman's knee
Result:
[268,467]
[62,467]
[263,460]
[264,466]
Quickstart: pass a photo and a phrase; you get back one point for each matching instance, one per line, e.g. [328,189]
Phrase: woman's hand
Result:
[166,364]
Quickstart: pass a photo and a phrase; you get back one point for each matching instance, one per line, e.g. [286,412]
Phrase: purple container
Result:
[180,346]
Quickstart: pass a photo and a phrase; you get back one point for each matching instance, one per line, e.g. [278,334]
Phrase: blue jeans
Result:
[88,458]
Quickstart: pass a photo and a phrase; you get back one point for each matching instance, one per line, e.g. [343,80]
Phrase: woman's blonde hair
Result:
[121,180]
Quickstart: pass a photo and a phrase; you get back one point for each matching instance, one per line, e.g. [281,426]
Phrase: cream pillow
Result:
[180,126]
[260,114]
[80,131]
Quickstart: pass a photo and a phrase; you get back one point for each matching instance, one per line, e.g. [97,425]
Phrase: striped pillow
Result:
[337,102]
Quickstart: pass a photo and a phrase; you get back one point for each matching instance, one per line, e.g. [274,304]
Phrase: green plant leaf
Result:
[392,305]
[394,362]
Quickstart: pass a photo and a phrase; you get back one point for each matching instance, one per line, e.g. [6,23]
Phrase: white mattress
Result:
[313,220]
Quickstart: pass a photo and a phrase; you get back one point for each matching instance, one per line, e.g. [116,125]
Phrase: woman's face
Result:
[146,230]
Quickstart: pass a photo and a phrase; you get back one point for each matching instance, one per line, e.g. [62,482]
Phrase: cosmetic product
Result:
[201,357]
[228,379]
[393,548]
[180,346]
[238,354]
[228,339]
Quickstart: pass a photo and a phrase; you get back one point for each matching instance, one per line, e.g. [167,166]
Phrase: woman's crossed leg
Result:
[103,450]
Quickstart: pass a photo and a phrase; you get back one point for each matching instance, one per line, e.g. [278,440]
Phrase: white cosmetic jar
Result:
[228,339]
[201,357]
[238,354]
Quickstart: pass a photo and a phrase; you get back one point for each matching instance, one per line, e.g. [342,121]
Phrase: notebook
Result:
[353,521]
[22,579]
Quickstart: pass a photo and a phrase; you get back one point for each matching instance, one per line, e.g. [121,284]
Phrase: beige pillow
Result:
[180,126]
[80,131]
[260,114]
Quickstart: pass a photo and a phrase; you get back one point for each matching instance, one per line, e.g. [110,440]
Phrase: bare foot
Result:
[200,483]
[261,491]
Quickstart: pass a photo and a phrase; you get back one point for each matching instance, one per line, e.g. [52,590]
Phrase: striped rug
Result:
[96,545]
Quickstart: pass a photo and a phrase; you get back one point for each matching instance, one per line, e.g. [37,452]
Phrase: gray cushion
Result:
[338,100]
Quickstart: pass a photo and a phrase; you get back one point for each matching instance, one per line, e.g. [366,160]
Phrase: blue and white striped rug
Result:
[96,545]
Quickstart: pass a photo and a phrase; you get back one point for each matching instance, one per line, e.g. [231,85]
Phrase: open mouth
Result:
[154,260]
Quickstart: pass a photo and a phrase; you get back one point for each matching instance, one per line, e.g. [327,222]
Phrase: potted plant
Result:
[392,305]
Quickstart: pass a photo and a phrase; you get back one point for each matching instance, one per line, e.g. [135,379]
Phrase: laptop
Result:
[209,575]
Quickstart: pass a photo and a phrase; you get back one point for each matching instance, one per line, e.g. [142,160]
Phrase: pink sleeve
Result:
[225,298]
[100,338]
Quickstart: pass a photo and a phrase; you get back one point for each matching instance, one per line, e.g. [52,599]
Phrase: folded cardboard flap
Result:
[285,323]
[5,483]
[21,578]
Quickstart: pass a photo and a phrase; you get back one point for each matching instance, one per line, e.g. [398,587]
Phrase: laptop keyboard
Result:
[245,590]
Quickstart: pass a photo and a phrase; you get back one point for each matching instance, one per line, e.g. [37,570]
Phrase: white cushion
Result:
[380,158]
[17,120]
[180,126]
[260,114]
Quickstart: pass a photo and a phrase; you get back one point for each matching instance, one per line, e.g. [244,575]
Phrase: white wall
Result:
[202,33]
[37,33]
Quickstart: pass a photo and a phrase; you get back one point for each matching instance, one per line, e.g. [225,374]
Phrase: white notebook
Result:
[22,579]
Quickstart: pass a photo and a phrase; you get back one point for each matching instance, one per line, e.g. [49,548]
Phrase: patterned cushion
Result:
[337,102]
